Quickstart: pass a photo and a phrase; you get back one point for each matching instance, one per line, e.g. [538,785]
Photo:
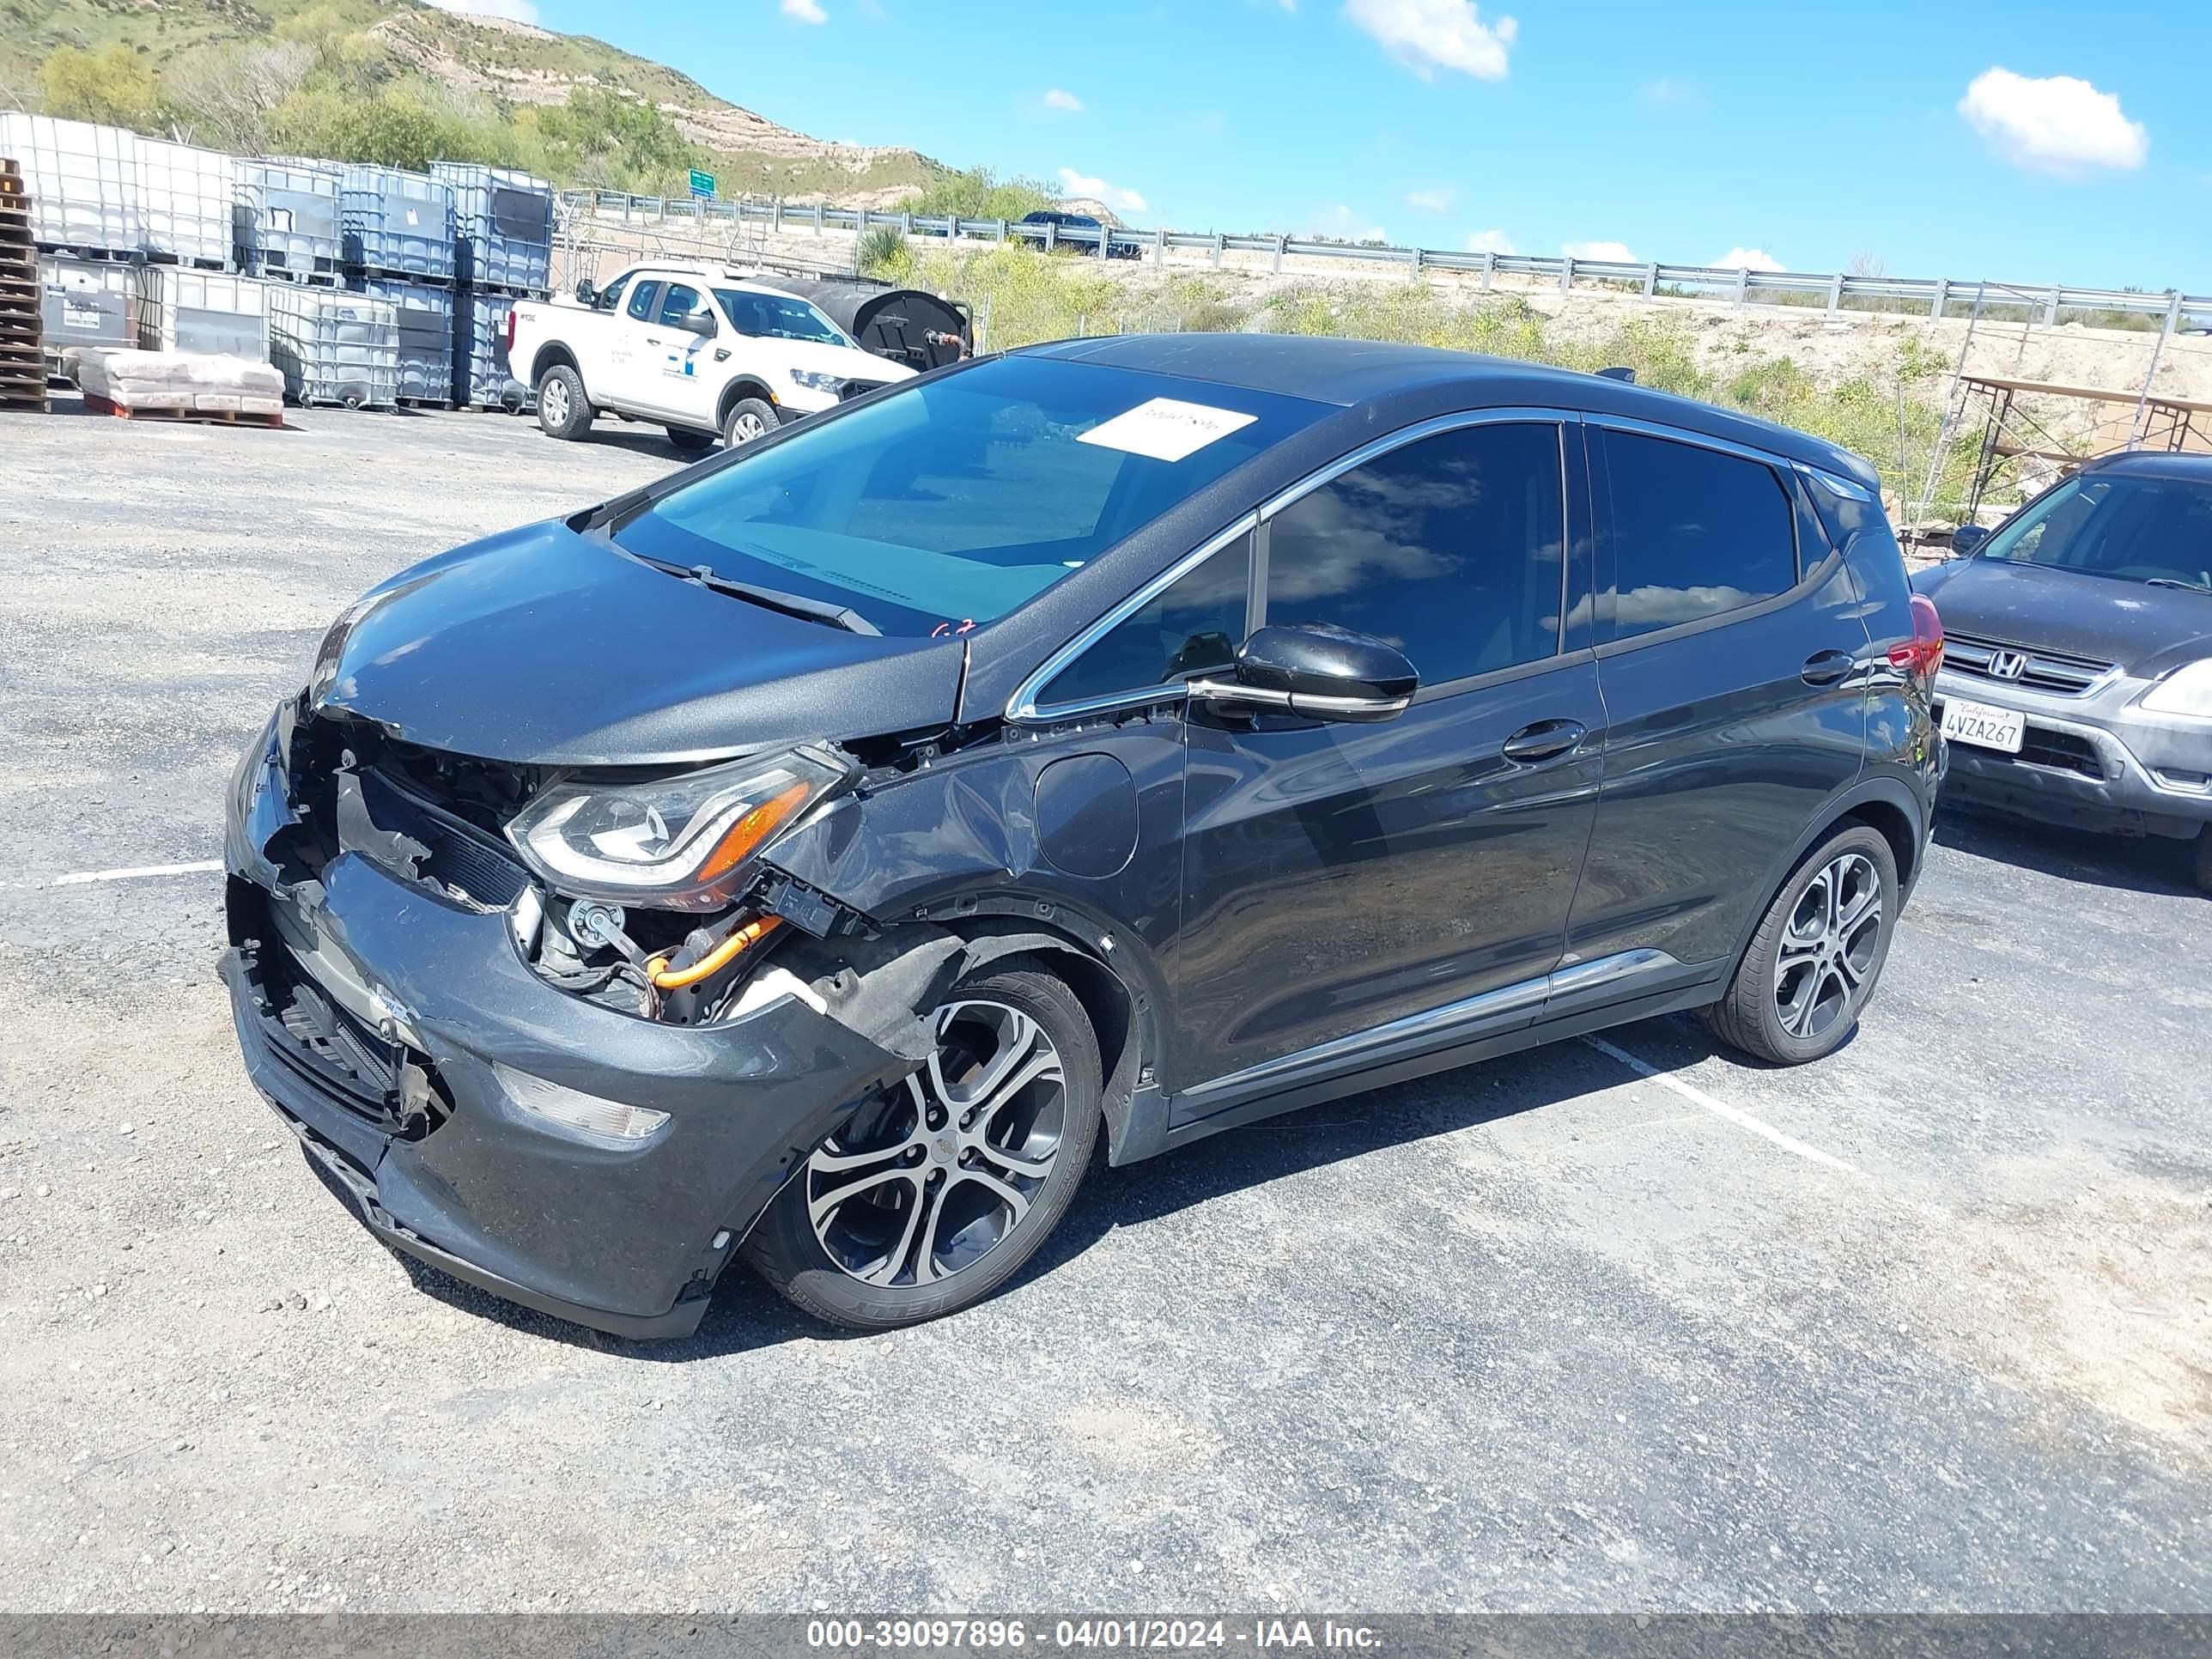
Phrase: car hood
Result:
[544,647]
[847,363]
[2145,629]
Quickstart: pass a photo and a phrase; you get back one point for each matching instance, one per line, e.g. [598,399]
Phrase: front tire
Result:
[750,418]
[934,1193]
[562,408]
[1817,955]
[689,443]
[2204,861]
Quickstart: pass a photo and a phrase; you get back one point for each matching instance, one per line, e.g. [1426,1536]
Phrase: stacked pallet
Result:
[22,361]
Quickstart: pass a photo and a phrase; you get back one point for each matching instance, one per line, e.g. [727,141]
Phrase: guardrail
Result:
[1935,297]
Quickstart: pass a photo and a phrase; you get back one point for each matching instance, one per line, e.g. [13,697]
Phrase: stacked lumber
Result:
[23,364]
[180,386]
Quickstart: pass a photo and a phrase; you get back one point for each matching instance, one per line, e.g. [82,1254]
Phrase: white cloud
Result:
[1667,93]
[805,11]
[2056,125]
[1488,241]
[1121,200]
[1616,251]
[1427,35]
[1060,98]
[1747,258]
[1432,201]
[513,11]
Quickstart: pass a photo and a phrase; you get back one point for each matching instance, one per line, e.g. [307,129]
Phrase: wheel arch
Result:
[1884,804]
[743,386]
[1121,1019]
[552,355]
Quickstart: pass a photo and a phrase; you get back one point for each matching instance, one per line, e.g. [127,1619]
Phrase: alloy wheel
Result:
[747,427]
[554,395]
[926,1181]
[1829,946]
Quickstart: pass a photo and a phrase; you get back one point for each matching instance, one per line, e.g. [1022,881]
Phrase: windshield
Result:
[778,317]
[2131,528]
[952,501]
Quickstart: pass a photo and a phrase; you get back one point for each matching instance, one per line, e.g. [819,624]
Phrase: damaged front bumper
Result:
[391,1024]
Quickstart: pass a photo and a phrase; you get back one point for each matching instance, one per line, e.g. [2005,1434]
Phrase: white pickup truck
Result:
[702,350]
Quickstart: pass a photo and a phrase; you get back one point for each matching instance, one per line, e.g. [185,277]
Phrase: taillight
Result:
[510,328]
[1924,654]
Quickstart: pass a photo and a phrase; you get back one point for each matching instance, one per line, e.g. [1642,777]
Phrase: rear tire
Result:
[690,442]
[562,408]
[2204,861]
[1817,955]
[934,1193]
[749,418]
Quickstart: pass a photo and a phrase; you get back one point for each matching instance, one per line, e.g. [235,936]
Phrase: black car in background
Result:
[2076,686]
[1087,232]
[817,854]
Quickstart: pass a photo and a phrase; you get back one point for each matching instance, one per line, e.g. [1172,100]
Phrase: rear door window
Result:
[1696,532]
[1449,549]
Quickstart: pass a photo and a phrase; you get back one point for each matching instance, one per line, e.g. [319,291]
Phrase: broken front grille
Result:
[2018,664]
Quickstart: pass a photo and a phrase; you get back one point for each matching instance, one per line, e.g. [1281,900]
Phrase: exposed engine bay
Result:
[460,826]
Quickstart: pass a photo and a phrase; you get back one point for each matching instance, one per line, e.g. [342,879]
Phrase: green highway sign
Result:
[702,184]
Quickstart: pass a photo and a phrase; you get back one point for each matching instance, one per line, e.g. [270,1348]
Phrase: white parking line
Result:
[83,878]
[1720,1109]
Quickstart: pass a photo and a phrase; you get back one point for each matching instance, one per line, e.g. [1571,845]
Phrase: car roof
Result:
[1327,369]
[720,276]
[2155,463]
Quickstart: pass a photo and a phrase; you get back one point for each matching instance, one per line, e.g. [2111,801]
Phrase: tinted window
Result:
[1695,533]
[610,295]
[950,502]
[640,300]
[1192,625]
[1449,549]
[681,302]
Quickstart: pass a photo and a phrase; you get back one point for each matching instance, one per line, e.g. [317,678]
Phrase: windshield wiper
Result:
[2176,581]
[774,599]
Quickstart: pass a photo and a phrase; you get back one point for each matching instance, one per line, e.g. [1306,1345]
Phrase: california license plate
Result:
[1982,725]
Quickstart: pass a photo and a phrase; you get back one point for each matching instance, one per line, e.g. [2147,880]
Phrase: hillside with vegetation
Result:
[402,83]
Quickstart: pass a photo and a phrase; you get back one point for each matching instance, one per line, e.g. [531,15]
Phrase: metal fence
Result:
[1934,297]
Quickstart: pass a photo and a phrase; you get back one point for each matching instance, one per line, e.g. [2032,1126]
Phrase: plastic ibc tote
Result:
[184,197]
[502,225]
[208,312]
[396,223]
[333,347]
[423,312]
[82,180]
[286,220]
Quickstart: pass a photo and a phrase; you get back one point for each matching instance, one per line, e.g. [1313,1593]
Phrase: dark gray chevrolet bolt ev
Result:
[2077,689]
[820,853]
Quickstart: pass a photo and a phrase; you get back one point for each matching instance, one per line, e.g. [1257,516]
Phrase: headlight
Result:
[679,841]
[814,381]
[2187,691]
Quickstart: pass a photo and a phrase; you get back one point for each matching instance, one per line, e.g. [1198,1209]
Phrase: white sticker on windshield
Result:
[1167,429]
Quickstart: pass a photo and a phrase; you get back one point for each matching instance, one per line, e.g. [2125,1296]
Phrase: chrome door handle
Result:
[1825,667]
[1544,740]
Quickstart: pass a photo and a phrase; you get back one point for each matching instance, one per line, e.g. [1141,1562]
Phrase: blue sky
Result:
[1687,133]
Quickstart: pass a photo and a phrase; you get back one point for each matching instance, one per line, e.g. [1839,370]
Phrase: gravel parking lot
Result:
[1615,1325]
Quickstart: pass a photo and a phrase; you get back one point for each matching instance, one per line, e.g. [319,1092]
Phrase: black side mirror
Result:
[1967,538]
[1323,672]
[697,322]
[588,291]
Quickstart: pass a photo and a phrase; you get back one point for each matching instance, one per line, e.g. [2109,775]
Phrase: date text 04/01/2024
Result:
[1090,1634]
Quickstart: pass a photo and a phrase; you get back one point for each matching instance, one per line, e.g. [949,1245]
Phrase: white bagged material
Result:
[180,380]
